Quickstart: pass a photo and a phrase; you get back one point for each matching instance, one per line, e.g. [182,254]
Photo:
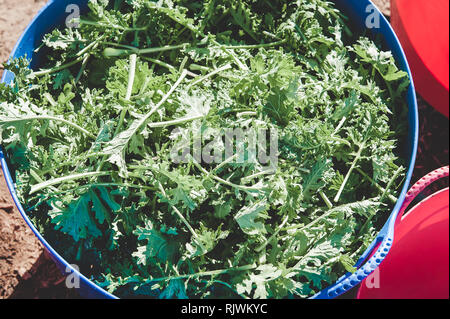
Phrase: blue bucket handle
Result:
[379,247]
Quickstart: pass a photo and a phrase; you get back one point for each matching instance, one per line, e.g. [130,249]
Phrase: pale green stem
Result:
[260,248]
[391,181]
[183,64]
[175,122]
[256,46]
[338,128]
[131,76]
[249,113]
[87,48]
[197,67]
[105,185]
[60,68]
[220,180]
[207,76]
[271,35]
[80,57]
[239,63]
[326,200]
[381,189]
[83,67]
[182,218]
[355,161]
[206,273]
[71,162]
[315,221]
[60,180]
[164,99]
[225,162]
[51,118]
[161,63]
[113,26]
[250,177]
[112,52]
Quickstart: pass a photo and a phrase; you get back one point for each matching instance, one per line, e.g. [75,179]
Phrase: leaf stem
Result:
[113,52]
[391,181]
[161,63]
[315,221]
[49,118]
[255,46]
[109,25]
[225,162]
[355,161]
[389,185]
[381,189]
[238,62]
[83,67]
[262,173]
[279,228]
[182,218]
[165,98]
[60,68]
[104,185]
[75,160]
[220,180]
[60,180]
[131,76]
[206,273]
[81,56]
[326,200]
[207,76]
[175,122]
[362,146]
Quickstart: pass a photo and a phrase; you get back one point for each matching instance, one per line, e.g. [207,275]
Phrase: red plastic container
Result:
[417,267]
[423,30]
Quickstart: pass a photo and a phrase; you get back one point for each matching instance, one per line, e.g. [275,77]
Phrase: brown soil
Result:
[26,271]
[19,248]
[384,6]
[14,17]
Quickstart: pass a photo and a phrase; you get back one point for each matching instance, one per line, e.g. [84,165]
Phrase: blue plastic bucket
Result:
[54,14]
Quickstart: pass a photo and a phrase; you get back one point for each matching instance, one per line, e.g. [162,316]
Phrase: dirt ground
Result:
[25,269]
[14,17]
[27,272]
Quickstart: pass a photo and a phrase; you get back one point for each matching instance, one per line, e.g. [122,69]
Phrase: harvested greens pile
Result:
[91,136]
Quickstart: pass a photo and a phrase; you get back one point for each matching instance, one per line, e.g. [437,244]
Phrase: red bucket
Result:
[423,29]
[417,267]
